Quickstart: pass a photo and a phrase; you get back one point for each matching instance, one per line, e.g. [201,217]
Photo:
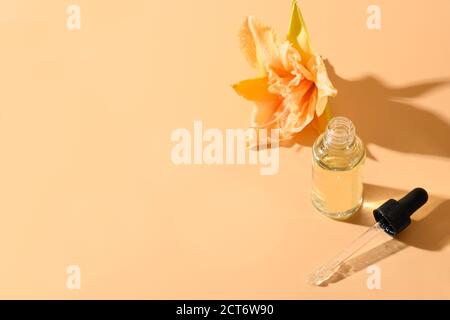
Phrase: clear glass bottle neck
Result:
[340,133]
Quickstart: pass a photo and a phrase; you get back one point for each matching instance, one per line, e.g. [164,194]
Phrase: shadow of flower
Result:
[388,117]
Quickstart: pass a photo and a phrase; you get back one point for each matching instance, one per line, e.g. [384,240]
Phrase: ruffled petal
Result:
[259,43]
[307,110]
[322,80]
[285,74]
[324,86]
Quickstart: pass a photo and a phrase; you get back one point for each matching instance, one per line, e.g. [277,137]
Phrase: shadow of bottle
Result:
[429,230]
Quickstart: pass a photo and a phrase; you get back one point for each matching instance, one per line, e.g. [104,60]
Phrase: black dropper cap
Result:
[394,216]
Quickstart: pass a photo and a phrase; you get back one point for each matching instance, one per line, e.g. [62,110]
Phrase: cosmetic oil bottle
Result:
[338,160]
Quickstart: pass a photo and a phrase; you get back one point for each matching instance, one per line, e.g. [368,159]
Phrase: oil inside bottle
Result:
[338,161]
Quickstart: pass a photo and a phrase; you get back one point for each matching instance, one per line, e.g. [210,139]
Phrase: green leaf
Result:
[298,34]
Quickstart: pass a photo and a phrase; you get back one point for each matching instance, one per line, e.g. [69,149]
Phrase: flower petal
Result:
[254,89]
[264,111]
[307,110]
[324,85]
[322,80]
[259,43]
[319,123]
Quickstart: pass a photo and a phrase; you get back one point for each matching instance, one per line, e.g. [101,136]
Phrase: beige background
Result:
[85,170]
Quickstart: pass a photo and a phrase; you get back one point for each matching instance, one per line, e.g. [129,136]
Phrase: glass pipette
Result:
[392,218]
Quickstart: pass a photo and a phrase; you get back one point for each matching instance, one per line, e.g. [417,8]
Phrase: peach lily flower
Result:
[293,87]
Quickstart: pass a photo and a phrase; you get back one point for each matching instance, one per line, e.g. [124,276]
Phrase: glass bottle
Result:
[338,160]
